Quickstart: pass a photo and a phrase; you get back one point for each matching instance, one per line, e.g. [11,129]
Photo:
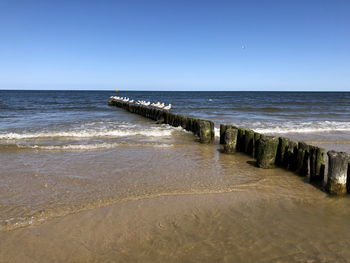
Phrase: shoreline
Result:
[234,223]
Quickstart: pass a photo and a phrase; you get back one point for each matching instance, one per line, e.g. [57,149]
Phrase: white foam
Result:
[74,146]
[91,146]
[217,132]
[89,133]
[306,127]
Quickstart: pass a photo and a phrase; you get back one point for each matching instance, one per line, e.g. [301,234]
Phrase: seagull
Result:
[167,107]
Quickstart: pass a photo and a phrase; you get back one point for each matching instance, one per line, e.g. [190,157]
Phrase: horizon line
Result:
[131,90]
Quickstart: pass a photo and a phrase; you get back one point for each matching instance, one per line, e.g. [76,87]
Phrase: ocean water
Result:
[62,152]
[82,119]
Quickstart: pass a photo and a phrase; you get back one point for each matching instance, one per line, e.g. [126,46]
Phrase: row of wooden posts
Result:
[202,128]
[299,157]
[269,151]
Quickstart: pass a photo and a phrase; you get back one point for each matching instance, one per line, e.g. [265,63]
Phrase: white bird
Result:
[167,107]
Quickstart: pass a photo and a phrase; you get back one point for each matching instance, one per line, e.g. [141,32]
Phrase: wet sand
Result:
[279,218]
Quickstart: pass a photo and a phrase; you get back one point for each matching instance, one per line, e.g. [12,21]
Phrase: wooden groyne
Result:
[269,151]
[204,129]
[299,157]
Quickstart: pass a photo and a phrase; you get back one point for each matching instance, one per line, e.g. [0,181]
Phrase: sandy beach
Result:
[279,218]
[93,183]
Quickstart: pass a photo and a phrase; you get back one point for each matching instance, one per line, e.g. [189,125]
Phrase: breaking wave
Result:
[151,132]
[306,127]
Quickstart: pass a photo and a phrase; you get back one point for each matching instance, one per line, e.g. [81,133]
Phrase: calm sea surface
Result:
[66,151]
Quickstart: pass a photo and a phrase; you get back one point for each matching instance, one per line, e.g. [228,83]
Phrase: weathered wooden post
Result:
[171,118]
[189,125]
[267,151]
[337,172]
[241,139]
[184,122]
[302,167]
[195,126]
[223,128]
[249,142]
[291,156]
[317,164]
[206,131]
[257,137]
[230,140]
[282,151]
[160,117]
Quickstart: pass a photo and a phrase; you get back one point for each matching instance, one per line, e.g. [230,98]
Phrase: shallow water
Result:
[278,218]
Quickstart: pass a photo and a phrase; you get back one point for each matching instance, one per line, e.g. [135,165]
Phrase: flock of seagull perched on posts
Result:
[142,102]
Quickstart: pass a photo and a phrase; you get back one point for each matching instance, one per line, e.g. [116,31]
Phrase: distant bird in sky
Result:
[243,47]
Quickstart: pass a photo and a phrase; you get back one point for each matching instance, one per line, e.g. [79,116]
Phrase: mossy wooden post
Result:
[160,116]
[257,137]
[337,172]
[230,140]
[282,151]
[177,120]
[153,114]
[291,158]
[240,139]
[249,142]
[317,164]
[267,151]
[223,128]
[206,131]
[171,117]
[302,167]
[189,125]
[184,122]
[194,126]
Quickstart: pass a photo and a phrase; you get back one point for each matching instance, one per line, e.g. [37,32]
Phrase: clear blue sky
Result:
[175,45]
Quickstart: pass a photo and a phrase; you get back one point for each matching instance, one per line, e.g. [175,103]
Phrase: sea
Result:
[81,120]
[63,152]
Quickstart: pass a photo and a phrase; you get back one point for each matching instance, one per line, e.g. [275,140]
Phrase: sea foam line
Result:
[87,133]
[279,130]
[299,127]
[90,146]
